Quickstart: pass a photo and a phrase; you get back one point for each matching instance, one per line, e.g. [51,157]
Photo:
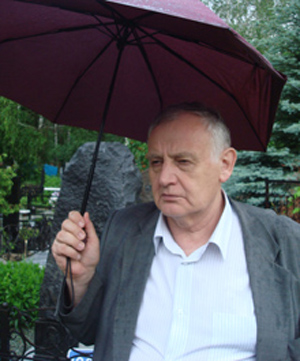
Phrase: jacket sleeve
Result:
[289,240]
[81,321]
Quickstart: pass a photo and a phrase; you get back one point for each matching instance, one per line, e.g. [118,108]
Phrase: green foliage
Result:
[283,49]
[247,182]
[28,232]
[52,181]
[7,244]
[19,132]
[64,142]
[296,198]
[20,287]
[7,173]
[44,142]
[107,137]
[248,18]
[139,150]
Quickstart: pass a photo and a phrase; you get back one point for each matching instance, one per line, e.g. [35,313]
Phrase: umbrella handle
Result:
[68,270]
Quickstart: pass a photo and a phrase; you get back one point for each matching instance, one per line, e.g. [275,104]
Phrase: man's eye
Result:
[155,162]
[183,161]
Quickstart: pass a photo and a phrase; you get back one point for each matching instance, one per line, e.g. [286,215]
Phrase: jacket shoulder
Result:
[266,217]
[138,211]
[131,220]
[270,231]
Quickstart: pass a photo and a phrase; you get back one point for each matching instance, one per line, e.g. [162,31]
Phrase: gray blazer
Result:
[108,313]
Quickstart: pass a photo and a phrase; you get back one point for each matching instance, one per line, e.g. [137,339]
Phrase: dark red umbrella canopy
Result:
[60,62]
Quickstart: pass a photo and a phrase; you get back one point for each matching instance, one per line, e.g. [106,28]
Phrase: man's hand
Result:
[77,240]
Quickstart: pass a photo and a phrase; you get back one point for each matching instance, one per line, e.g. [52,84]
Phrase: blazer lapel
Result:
[137,258]
[270,288]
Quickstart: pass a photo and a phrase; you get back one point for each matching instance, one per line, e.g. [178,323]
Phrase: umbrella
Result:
[115,64]
[118,62]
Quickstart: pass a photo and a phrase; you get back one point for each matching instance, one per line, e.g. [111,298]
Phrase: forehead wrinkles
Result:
[173,155]
[188,135]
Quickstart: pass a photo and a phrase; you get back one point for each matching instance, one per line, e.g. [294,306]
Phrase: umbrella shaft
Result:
[94,160]
[92,170]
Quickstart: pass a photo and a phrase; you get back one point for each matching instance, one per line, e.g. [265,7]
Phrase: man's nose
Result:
[167,174]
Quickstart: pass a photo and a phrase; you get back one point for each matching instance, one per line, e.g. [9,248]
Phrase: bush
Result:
[20,284]
[52,181]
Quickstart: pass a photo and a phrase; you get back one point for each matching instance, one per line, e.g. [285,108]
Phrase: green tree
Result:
[247,182]
[20,137]
[7,173]
[283,49]
[248,18]
[30,140]
[64,141]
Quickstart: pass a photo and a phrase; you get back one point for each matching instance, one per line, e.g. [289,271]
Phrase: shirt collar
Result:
[161,231]
[220,236]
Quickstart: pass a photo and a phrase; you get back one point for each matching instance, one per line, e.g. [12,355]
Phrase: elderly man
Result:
[195,276]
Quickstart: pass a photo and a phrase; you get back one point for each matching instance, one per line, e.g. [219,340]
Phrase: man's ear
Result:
[227,159]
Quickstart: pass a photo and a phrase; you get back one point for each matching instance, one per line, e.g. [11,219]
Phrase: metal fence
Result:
[28,237]
[44,342]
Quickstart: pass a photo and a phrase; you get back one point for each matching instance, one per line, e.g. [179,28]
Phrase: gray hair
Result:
[211,118]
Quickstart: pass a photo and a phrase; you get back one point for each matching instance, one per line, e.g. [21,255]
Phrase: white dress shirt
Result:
[197,307]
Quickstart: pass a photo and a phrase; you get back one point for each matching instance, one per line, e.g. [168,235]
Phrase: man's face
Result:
[186,178]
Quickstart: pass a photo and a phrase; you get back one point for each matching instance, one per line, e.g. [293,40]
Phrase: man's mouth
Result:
[169,197]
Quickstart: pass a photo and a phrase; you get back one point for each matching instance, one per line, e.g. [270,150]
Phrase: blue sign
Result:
[79,354]
[50,169]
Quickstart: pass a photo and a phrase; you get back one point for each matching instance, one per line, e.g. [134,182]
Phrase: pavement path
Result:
[38,257]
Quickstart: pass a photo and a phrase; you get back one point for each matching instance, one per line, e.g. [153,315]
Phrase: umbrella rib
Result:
[80,77]
[70,29]
[119,18]
[133,23]
[146,59]
[113,14]
[180,57]
[131,42]
[105,25]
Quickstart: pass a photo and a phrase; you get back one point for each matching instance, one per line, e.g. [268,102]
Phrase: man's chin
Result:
[172,211]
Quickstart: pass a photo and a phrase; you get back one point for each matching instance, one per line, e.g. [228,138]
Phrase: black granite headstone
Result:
[116,184]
